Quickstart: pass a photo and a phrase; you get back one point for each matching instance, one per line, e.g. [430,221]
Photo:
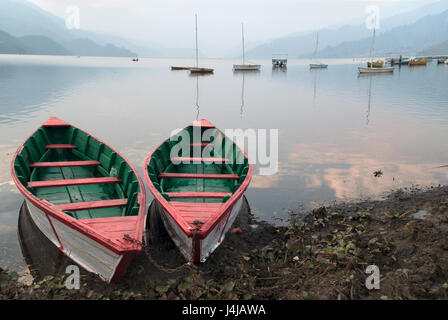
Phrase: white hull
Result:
[243,67]
[88,253]
[209,243]
[376,70]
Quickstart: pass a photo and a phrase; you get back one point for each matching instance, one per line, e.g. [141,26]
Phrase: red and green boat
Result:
[83,195]
[199,196]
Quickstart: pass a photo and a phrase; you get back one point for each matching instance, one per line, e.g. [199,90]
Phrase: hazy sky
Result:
[171,22]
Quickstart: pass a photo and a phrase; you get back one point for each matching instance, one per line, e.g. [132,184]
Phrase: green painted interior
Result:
[160,162]
[112,165]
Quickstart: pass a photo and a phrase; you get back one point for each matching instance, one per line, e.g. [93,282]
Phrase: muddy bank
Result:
[323,256]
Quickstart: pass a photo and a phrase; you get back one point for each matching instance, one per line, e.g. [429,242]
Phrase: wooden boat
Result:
[180,68]
[85,197]
[245,66]
[199,197]
[317,65]
[201,70]
[376,70]
[418,62]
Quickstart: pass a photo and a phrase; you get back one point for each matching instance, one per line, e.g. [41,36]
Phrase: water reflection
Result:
[40,254]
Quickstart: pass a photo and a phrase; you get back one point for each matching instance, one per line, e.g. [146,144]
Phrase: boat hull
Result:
[248,67]
[376,70]
[201,70]
[195,249]
[318,66]
[83,250]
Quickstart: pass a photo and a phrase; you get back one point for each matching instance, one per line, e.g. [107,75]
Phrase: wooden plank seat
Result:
[60,146]
[61,164]
[197,195]
[201,144]
[72,182]
[197,159]
[79,206]
[167,175]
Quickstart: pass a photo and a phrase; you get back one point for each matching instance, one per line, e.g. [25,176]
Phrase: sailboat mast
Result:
[242,34]
[197,55]
[373,40]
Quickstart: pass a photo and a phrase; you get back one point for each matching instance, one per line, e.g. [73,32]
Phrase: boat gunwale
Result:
[54,211]
[224,210]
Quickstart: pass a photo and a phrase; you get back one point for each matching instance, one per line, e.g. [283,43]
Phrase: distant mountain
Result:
[303,44]
[42,45]
[436,49]
[10,45]
[30,45]
[40,32]
[86,47]
[406,40]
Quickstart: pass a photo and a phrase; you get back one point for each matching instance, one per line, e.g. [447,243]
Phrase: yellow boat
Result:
[418,62]
[375,64]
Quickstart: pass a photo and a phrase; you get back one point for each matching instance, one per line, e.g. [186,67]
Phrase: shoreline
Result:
[322,256]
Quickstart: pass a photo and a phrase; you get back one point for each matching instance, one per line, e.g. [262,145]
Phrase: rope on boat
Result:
[186,265]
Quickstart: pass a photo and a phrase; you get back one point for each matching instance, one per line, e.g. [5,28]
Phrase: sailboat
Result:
[196,69]
[375,66]
[317,65]
[245,66]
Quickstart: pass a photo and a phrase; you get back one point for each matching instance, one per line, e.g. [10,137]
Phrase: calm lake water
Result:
[335,128]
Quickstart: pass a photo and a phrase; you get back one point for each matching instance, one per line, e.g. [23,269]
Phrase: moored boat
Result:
[375,70]
[441,60]
[318,66]
[200,196]
[245,66]
[201,70]
[85,197]
[418,62]
[180,68]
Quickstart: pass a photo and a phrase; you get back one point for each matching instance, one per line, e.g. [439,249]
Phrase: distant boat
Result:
[135,59]
[399,61]
[196,69]
[245,66]
[375,70]
[441,60]
[374,66]
[446,62]
[317,65]
[180,68]
[279,60]
[418,62]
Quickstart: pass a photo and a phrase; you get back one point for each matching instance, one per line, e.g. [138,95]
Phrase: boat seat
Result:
[62,164]
[79,206]
[72,182]
[198,176]
[193,159]
[60,146]
[201,144]
[197,195]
